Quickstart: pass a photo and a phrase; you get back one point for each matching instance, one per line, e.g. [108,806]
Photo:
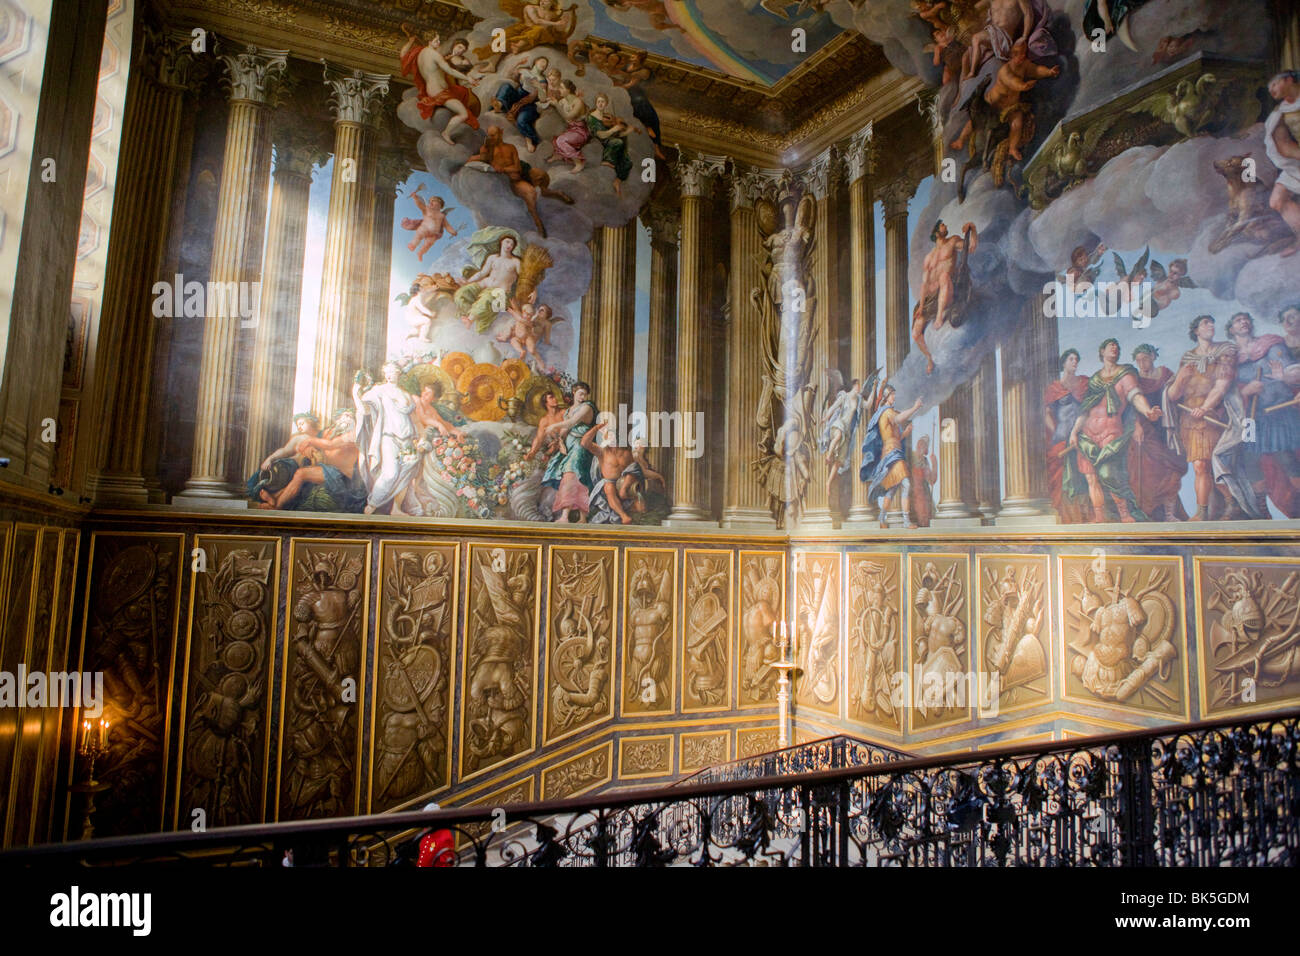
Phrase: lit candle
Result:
[103,733]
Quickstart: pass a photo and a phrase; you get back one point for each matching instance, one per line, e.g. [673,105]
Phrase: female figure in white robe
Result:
[386,435]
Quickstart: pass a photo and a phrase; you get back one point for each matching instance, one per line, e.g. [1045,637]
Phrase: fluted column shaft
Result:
[984,434]
[340,330]
[616,338]
[1024,443]
[236,257]
[390,170]
[690,492]
[744,502]
[275,346]
[589,330]
[862,310]
[661,357]
[150,153]
[955,472]
[894,198]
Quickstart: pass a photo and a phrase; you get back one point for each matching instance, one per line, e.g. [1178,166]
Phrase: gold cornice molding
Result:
[368,40]
[867,103]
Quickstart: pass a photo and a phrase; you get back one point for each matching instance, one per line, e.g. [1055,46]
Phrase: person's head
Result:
[550,401]
[569,86]
[887,396]
[1144,356]
[1241,324]
[581,391]
[459,46]
[940,231]
[1201,328]
[1069,361]
[1285,85]
[543,312]
[1079,257]
[507,246]
[923,444]
[345,420]
[1109,351]
[438,200]
[391,371]
[493,135]
[540,64]
[602,101]
[430,390]
[435,41]
[1177,269]
[306,423]
[1291,319]
[553,75]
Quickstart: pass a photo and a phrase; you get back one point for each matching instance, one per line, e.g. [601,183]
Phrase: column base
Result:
[118,489]
[757,519]
[690,516]
[188,500]
[822,520]
[1026,511]
[965,521]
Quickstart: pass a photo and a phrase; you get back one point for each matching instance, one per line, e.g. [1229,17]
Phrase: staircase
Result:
[1214,793]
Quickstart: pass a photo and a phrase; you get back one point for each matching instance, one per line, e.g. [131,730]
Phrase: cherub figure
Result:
[432,224]
[1169,283]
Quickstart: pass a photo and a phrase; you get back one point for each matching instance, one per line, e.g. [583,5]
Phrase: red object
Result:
[437,849]
[454,91]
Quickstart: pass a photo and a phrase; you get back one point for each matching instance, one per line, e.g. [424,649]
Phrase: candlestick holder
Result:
[94,743]
[785,667]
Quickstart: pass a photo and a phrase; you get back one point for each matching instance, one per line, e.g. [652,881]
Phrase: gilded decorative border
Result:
[800,651]
[1204,662]
[612,688]
[627,635]
[686,766]
[549,775]
[270,666]
[725,641]
[361,678]
[1048,643]
[626,743]
[742,555]
[1175,563]
[962,560]
[534,637]
[380,602]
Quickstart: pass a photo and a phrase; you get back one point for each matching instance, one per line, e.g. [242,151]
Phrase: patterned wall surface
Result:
[460,650]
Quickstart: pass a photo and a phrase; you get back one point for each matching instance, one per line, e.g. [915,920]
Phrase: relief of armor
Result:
[706,663]
[580,638]
[417,618]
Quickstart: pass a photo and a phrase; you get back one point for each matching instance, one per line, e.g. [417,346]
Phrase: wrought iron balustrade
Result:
[829,753]
[1206,794]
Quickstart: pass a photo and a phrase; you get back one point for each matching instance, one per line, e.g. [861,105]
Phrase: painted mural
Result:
[1127,179]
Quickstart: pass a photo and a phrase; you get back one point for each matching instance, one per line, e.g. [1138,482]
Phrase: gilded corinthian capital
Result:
[253,74]
[355,96]
[696,173]
[859,154]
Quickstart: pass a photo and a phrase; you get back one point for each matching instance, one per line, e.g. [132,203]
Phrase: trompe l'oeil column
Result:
[340,330]
[251,77]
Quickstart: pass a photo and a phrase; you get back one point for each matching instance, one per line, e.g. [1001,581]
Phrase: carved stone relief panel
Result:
[762,604]
[817,632]
[415,648]
[943,680]
[227,681]
[580,639]
[580,773]
[706,651]
[1122,624]
[875,640]
[499,676]
[322,678]
[1013,629]
[650,624]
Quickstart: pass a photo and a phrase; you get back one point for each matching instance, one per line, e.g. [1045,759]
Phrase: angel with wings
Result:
[839,422]
[432,224]
[1170,283]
